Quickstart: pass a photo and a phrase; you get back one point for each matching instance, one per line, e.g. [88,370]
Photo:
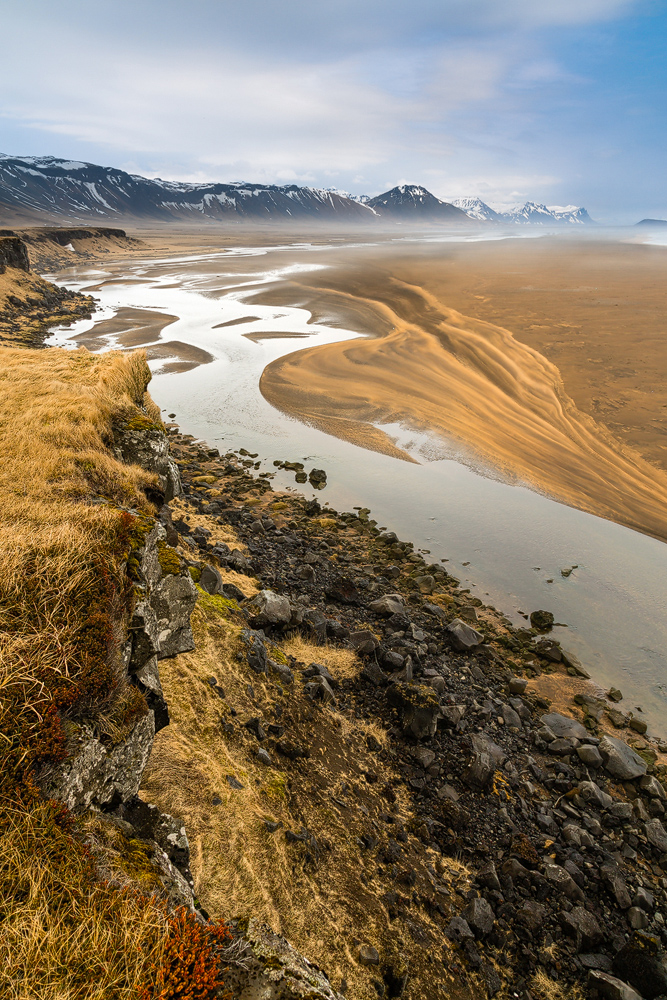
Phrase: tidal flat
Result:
[499,402]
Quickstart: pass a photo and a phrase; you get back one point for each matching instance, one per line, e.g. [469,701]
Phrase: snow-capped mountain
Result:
[44,189]
[48,189]
[542,215]
[531,213]
[412,202]
[475,208]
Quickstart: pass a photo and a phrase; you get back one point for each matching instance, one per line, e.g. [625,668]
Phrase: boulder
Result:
[268,609]
[96,775]
[583,927]
[479,916]
[563,727]
[620,760]
[463,636]
[147,679]
[486,756]
[390,604]
[610,988]
[656,835]
[642,963]
[267,966]
[148,446]
[418,708]
[173,601]
[211,580]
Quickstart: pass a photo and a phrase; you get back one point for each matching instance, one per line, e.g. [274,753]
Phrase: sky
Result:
[555,101]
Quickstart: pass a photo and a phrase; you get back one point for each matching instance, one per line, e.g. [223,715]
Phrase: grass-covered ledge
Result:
[77,918]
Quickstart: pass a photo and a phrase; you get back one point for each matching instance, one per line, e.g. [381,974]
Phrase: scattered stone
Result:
[233,593]
[464,637]
[650,784]
[610,988]
[583,927]
[614,694]
[363,641]
[479,916]
[656,835]
[590,756]
[368,955]
[532,914]
[620,760]
[458,930]
[638,725]
[641,962]
[563,727]
[418,707]
[263,756]
[573,664]
[518,685]
[390,604]
[542,620]
[267,608]
[233,782]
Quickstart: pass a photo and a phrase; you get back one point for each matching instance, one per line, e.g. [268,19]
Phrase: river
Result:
[505,542]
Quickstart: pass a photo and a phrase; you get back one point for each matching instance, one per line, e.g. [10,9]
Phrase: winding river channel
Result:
[209,335]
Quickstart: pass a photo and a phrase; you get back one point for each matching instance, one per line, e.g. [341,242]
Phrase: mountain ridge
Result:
[47,189]
[530,212]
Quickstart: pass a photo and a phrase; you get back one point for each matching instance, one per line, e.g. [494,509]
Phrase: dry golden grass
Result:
[65,937]
[545,988]
[341,663]
[56,414]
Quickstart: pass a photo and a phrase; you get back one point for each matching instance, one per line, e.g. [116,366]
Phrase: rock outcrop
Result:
[13,253]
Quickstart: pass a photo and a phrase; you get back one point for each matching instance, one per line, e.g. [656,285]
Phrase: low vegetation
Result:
[70,926]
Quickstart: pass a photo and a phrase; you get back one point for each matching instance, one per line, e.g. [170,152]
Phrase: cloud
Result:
[338,92]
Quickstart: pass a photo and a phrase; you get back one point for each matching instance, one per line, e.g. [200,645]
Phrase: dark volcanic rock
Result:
[642,963]
[418,708]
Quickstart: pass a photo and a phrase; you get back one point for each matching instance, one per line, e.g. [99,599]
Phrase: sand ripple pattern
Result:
[471,382]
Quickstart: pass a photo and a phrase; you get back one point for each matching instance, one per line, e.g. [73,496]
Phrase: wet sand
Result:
[589,431]
[130,327]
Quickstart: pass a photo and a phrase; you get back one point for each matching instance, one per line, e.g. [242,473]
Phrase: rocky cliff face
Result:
[13,253]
